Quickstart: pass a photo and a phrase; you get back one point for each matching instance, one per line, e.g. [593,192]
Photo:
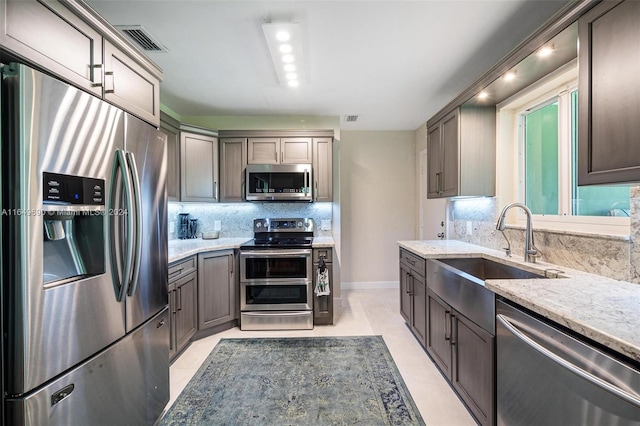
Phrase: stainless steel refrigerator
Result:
[84,258]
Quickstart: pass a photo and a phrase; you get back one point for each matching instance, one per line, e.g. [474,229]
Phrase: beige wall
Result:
[421,143]
[378,204]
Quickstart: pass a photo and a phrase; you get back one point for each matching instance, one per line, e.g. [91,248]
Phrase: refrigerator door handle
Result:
[137,217]
[120,281]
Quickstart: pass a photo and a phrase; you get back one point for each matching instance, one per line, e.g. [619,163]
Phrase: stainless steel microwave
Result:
[278,182]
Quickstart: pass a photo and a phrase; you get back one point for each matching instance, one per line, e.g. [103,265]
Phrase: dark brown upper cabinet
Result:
[609,94]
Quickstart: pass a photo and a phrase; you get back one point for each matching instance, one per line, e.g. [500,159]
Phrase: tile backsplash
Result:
[612,256]
[236,219]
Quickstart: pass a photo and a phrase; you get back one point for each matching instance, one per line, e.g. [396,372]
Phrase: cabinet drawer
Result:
[181,268]
[322,252]
[413,262]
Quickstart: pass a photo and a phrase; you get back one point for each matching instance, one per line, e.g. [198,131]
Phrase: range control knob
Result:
[258,224]
[299,224]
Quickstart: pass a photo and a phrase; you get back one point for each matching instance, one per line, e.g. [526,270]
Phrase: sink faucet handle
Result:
[507,251]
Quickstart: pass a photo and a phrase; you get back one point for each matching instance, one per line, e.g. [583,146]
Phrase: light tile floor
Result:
[364,312]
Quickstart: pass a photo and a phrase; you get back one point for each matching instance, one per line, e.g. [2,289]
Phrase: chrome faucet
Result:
[530,250]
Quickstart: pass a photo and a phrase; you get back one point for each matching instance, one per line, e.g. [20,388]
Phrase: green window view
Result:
[543,168]
[596,200]
[541,159]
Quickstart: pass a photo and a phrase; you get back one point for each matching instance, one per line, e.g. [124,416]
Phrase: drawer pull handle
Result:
[447,322]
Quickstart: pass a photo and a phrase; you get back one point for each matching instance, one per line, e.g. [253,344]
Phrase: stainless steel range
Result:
[276,276]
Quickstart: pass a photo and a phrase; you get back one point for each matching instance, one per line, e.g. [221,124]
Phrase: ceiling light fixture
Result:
[545,51]
[285,46]
[510,76]
[483,95]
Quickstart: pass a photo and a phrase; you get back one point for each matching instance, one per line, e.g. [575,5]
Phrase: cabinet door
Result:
[233,160]
[295,150]
[323,169]
[609,94]
[450,139]
[473,367]
[130,86]
[170,127]
[419,308]
[323,305]
[216,289]
[405,295]
[186,310]
[50,35]
[263,150]
[434,161]
[198,167]
[439,332]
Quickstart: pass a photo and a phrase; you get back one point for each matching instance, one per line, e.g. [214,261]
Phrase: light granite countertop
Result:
[602,309]
[181,249]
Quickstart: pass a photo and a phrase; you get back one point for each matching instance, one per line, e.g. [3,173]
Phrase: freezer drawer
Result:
[127,384]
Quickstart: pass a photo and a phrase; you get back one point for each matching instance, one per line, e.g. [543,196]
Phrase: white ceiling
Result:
[393,63]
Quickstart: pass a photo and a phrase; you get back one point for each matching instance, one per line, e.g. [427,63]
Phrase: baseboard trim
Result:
[368,285]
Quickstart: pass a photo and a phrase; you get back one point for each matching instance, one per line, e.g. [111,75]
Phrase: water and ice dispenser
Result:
[73,232]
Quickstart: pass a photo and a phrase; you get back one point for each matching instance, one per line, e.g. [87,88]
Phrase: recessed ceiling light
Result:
[293,83]
[289,67]
[288,58]
[285,48]
[545,51]
[510,76]
[283,36]
[292,76]
[483,95]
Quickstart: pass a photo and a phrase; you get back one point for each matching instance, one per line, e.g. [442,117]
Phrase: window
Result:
[543,120]
[541,159]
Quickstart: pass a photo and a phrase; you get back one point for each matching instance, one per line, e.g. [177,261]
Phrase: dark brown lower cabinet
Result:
[323,305]
[183,308]
[413,302]
[184,320]
[439,333]
[217,298]
[464,352]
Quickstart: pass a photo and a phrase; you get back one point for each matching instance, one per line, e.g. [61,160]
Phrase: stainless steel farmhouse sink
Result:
[460,283]
[485,269]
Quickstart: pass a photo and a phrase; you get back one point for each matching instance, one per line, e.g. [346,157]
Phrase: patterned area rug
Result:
[296,381]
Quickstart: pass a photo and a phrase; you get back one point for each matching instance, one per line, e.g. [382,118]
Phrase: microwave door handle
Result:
[136,204]
[121,285]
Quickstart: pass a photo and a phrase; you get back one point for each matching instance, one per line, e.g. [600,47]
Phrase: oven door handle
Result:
[278,253]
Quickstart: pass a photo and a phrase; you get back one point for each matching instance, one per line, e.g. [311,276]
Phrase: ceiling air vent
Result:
[350,118]
[140,36]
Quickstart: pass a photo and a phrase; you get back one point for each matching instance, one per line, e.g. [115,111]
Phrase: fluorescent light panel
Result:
[285,46]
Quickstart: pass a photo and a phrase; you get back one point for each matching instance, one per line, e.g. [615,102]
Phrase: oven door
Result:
[276,280]
[276,296]
[270,266]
